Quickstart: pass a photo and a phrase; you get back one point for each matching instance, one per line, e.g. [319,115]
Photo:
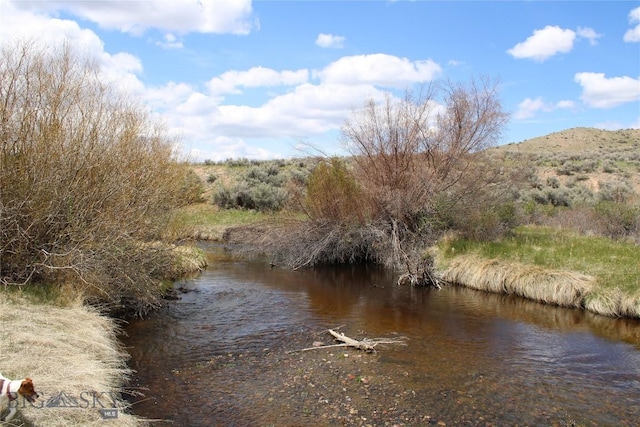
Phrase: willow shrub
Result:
[333,194]
[87,180]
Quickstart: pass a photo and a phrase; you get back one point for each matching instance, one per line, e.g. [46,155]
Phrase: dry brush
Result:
[87,177]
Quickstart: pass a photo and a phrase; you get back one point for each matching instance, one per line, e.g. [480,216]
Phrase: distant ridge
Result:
[577,140]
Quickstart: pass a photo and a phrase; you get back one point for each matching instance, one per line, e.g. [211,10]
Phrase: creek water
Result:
[516,361]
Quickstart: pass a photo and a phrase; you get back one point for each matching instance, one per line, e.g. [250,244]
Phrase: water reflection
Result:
[507,354]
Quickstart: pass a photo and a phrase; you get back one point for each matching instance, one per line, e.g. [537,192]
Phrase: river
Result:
[218,355]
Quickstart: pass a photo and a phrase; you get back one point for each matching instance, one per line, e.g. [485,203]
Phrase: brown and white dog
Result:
[10,390]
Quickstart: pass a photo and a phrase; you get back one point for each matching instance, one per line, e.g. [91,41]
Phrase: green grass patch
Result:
[208,222]
[41,293]
[613,263]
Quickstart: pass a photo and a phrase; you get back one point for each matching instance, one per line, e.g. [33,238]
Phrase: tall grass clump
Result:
[557,287]
[78,354]
[87,179]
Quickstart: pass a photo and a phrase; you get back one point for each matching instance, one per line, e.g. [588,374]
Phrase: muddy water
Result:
[472,358]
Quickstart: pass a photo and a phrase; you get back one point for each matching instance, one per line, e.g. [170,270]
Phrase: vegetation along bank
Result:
[96,205]
[565,231]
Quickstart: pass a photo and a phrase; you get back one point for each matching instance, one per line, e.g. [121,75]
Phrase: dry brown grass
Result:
[557,287]
[72,350]
[613,302]
[576,140]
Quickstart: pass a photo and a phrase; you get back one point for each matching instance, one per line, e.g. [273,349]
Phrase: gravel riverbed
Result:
[325,387]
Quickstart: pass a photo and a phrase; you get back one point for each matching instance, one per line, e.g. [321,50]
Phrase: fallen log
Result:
[350,342]
[365,344]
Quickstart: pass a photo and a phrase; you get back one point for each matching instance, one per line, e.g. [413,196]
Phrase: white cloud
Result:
[565,104]
[633,35]
[24,24]
[529,107]
[180,16]
[168,94]
[378,69]
[121,69]
[550,41]
[599,91]
[589,34]
[330,41]
[307,110]
[229,81]
[615,125]
[170,41]
[223,148]
[544,43]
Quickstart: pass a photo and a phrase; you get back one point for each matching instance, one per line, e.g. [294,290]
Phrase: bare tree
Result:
[415,155]
[407,151]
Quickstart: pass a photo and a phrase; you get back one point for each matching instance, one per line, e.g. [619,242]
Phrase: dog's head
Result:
[28,391]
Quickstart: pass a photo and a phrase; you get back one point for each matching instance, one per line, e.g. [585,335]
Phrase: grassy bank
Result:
[204,221]
[550,265]
[70,352]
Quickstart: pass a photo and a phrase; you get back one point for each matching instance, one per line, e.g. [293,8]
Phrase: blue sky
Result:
[263,79]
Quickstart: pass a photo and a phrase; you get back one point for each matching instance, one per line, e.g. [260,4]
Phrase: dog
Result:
[10,390]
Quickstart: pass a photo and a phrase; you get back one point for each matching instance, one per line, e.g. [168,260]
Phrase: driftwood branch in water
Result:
[350,342]
[365,344]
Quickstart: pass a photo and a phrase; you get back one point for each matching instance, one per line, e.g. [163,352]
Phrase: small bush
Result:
[267,174]
[568,168]
[333,194]
[615,192]
[237,163]
[589,166]
[261,197]
[609,167]
[558,197]
[192,187]
[490,223]
[553,182]
[619,219]
[266,198]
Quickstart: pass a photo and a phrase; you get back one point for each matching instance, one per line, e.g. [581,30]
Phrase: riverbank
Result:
[72,352]
[551,266]
[73,355]
[548,265]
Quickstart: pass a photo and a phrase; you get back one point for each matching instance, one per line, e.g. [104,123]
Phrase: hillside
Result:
[580,159]
[575,164]
[579,140]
